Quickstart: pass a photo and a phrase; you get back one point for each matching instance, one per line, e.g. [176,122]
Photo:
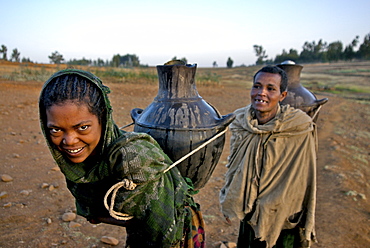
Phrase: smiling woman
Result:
[270,185]
[94,154]
[268,90]
[74,130]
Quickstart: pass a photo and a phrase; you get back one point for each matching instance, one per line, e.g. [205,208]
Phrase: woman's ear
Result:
[283,95]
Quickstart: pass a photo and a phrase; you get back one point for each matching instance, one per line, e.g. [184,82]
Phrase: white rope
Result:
[130,185]
[316,112]
[127,184]
[195,150]
[132,123]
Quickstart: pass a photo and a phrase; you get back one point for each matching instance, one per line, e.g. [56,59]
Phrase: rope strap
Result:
[195,150]
[316,112]
[132,123]
[125,183]
[130,185]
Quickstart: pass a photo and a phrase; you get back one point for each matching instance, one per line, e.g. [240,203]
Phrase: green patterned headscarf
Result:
[77,172]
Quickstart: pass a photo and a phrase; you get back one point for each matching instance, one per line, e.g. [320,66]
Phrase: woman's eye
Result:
[54,130]
[83,128]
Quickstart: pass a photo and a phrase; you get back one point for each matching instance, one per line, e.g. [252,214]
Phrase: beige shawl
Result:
[272,169]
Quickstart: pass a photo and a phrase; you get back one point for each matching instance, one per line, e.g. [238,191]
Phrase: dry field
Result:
[32,204]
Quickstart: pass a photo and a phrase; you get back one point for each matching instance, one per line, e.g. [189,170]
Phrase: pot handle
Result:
[225,120]
[321,101]
[135,113]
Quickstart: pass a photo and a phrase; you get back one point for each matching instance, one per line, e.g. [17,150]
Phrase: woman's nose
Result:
[70,139]
[262,91]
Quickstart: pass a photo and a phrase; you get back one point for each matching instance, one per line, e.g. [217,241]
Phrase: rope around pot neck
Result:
[130,185]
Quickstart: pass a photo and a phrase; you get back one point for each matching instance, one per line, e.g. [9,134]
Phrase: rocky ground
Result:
[34,199]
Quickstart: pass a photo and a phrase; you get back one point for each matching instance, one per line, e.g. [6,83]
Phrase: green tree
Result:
[26,60]
[229,63]
[15,55]
[313,52]
[349,52]
[116,60]
[129,60]
[4,51]
[364,49]
[214,64]
[100,62]
[82,61]
[334,51]
[56,58]
[182,59]
[292,55]
[261,54]
[185,60]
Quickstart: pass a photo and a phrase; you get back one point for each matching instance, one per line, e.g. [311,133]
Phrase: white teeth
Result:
[74,151]
[258,100]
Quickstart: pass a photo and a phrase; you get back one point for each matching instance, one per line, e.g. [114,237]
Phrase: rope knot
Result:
[125,183]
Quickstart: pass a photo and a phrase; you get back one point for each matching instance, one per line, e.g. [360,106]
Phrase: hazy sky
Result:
[202,31]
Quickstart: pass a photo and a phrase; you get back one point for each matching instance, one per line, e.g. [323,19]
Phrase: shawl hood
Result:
[79,172]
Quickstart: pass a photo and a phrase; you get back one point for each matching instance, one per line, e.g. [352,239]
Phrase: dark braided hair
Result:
[275,70]
[75,88]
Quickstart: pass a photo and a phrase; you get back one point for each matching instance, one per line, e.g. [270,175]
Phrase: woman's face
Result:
[74,130]
[266,95]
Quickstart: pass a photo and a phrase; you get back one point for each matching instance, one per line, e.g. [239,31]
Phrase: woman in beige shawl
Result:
[271,179]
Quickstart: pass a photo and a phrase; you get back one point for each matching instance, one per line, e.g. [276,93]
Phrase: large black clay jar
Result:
[298,96]
[180,121]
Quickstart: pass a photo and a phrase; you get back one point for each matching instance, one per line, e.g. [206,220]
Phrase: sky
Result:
[202,31]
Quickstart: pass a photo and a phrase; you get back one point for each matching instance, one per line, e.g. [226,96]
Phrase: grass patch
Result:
[208,78]
[127,75]
[340,89]
[358,154]
[346,90]
[25,73]
[351,89]
[348,71]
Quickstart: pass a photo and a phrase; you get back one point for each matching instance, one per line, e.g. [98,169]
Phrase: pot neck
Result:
[176,81]
[294,74]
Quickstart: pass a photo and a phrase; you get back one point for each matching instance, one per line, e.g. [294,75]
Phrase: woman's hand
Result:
[112,221]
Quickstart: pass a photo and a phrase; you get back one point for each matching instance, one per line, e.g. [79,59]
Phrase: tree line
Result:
[312,52]
[15,56]
[128,60]
[320,51]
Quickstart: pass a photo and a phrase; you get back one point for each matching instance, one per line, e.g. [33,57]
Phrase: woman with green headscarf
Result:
[94,154]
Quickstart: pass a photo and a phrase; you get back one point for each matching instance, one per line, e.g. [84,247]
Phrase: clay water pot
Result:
[298,96]
[180,120]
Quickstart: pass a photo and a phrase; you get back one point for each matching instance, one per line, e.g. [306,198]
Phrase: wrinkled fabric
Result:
[160,198]
[160,201]
[272,173]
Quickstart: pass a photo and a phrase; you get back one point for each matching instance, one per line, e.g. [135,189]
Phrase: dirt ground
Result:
[32,204]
